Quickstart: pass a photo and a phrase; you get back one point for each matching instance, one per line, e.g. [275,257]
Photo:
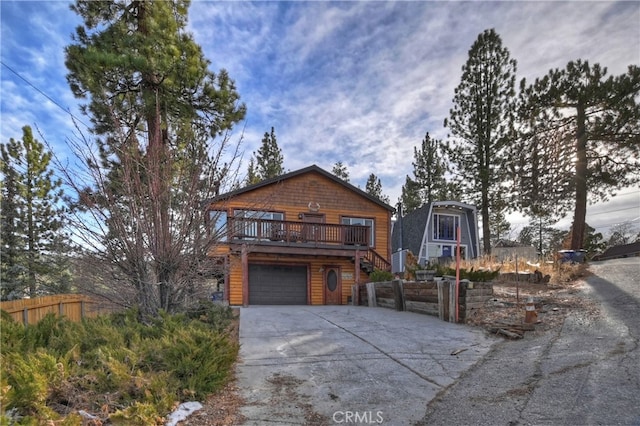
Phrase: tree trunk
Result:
[31,235]
[486,228]
[159,172]
[580,212]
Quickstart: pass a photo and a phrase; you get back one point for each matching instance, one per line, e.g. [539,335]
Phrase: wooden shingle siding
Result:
[312,192]
[293,197]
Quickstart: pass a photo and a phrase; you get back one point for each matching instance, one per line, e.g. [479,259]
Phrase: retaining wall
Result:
[426,297]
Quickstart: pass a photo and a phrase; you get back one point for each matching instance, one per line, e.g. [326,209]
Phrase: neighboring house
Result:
[621,251]
[302,238]
[429,232]
[505,250]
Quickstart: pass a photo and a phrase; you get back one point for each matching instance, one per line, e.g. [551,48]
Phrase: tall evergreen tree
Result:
[32,215]
[340,170]
[429,170]
[429,182]
[596,122]
[410,197]
[269,160]
[500,226]
[374,188]
[252,173]
[540,169]
[159,114]
[481,121]
[12,249]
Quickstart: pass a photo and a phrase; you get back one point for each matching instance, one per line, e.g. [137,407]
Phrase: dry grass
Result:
[558,272]
[553,299]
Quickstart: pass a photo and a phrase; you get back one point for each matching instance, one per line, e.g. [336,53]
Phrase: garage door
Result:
[277,285]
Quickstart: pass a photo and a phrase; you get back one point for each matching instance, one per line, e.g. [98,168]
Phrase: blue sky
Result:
[359,82]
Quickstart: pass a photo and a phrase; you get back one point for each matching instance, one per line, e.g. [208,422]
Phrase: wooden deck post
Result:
[357,266]
[245,275]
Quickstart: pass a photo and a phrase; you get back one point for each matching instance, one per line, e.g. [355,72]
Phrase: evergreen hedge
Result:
[113,367]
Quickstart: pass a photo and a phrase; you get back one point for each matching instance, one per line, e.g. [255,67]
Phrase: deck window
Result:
[218,224]
[444,227]
[361,221]
[249,229]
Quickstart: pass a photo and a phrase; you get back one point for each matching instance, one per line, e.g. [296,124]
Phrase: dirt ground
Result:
[553,302]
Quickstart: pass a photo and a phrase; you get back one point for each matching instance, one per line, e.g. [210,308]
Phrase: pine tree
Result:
[269,160]
[252,174]
[410,197]
[374,188]
[481,121]
[340,170]
[594,123]
[12,249]
[429,170]
[429,182]
[161,117]
[541,172]
[32,215]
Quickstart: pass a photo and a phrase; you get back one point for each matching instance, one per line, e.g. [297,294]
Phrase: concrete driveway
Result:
[323,365]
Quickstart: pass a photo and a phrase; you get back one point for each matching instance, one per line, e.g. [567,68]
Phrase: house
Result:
[429,232]
[621,251]
[302,238]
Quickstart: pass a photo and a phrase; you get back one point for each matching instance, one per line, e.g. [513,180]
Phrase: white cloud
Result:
[357,82]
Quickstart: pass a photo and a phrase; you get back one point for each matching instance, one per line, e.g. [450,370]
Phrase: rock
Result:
[183,411]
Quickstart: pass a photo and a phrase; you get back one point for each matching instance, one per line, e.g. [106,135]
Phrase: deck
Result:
[305,238]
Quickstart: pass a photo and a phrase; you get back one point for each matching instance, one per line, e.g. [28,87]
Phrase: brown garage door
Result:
[277,285]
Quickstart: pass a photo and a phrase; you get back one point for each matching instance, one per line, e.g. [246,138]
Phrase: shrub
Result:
[11,333]
[29,378]
[380,276]
[195,357]
[132,373]
[218,316]
[474,275]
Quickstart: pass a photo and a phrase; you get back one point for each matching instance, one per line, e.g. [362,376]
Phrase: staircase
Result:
[371,261]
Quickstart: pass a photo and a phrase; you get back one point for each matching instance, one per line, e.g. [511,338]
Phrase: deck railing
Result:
[298,232]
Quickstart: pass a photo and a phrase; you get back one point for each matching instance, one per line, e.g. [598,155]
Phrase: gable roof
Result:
[310,169]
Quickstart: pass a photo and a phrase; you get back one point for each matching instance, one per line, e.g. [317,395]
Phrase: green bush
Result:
[480,275]
[30,378]
[136,372]
[11,333]
[380,276]
[218,316]
[186,353]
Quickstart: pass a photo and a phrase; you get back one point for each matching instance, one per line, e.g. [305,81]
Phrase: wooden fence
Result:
[73,306]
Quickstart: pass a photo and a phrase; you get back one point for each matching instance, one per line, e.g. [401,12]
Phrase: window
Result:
[249,228]
[218,224]
[258,214]
[359,221]
[444,227]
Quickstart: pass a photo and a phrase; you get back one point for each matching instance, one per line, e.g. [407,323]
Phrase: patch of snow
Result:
[183,411]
